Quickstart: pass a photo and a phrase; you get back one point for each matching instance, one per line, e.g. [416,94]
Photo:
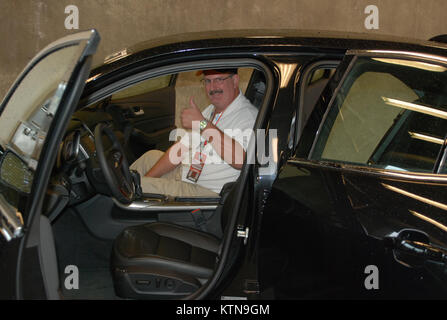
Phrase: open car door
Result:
[33,118]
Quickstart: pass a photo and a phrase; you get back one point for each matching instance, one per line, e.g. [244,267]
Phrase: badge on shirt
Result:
[198,162]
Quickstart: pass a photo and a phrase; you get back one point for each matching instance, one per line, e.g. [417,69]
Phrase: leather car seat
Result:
[165,261]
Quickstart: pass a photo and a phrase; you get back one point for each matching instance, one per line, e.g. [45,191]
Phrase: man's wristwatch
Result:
[203,124]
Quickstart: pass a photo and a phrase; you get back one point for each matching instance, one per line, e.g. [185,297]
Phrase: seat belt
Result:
[199,219]
[127,131]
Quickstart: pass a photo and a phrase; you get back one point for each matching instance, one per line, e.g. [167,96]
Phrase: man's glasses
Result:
[217,81]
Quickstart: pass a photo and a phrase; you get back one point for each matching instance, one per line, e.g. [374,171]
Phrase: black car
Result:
[342,194]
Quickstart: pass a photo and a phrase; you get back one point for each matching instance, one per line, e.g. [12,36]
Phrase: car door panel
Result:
[397,202]
[41,100]
[328,236]
[152,117]
[309,234]
[144,107]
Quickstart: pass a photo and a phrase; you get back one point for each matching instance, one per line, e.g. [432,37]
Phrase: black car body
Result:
[349,204]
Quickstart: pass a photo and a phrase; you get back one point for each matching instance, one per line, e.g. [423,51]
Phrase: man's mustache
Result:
[213,92]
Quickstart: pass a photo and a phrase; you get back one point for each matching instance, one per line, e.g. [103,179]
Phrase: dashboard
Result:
[77,162]
[77,175]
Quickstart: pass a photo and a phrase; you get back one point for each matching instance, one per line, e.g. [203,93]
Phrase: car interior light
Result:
[416,197]
[426,137]
[415,107]
[413,64]
[429,220]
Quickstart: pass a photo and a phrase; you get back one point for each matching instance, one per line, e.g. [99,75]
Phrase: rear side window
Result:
[143,87]
[388,113]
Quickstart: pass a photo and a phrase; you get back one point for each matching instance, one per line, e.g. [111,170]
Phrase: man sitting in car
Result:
[201,166]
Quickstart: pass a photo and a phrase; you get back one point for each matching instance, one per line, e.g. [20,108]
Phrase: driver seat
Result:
[163,260]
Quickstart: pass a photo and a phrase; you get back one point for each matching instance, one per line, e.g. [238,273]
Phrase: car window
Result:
[143,87]
[388,113]
[187,84]
[145,113]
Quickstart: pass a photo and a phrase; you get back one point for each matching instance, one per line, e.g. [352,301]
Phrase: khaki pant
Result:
[170,183]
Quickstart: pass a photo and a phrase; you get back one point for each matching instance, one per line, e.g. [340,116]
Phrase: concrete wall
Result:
[26,26]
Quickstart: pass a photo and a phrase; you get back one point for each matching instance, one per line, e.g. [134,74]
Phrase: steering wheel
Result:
[114,165]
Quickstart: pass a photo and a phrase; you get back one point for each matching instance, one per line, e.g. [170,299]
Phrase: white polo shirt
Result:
[237,122]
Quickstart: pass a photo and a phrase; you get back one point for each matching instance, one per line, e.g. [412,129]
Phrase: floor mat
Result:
[94,284]
[83,260]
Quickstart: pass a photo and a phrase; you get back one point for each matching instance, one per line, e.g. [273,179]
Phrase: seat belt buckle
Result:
[199,219]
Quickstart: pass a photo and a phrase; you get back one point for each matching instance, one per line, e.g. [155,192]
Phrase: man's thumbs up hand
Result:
[193,104]
[191,114]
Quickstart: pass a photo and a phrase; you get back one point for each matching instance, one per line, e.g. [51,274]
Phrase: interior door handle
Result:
[138,111]
[412,248]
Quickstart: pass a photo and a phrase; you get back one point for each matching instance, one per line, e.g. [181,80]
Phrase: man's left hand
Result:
[191,114]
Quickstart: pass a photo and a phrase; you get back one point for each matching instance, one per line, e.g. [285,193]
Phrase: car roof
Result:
[263,41]
[280,34]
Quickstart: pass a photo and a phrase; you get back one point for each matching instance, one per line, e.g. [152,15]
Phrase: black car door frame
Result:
[36,275]
[274,239]
[233,238]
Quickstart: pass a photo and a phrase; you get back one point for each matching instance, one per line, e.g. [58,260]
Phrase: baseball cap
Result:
[216,71]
